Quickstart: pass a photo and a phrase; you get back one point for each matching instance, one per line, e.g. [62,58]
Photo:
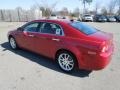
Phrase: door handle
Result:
[55,39]
[31,35]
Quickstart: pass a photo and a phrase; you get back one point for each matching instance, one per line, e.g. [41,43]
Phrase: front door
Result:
[27,36]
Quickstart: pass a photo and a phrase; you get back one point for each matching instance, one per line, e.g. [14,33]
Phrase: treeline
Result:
[19,15]
[43,9]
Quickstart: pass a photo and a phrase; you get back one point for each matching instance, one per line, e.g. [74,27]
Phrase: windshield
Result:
[84,28]
[87,16]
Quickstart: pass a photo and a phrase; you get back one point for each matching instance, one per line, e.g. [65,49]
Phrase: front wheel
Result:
[66,61]
[13,43]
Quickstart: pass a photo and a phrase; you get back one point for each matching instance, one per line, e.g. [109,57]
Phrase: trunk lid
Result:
[106,39]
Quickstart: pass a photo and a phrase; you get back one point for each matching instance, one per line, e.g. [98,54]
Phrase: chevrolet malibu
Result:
[71,44]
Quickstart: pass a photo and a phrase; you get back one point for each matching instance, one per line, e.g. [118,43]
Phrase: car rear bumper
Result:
[88,19]
[102,20]
[96,62]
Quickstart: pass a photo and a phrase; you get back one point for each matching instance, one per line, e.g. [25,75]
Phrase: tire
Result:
[66,61]
[13,43]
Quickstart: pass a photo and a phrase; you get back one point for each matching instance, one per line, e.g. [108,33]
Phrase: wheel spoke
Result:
[71,64]
[68,67]
[64,66]
[61,57]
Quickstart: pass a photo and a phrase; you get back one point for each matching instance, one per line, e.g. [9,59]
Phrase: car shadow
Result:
[46,62]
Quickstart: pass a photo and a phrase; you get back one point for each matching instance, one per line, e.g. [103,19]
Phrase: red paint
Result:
[86,48]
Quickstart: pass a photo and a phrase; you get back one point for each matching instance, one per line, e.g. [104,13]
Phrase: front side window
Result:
[51,28]
[84,28]
[31,27]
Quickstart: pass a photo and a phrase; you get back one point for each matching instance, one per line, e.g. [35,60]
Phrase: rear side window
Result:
[31,27]
[84,28]
[51,28]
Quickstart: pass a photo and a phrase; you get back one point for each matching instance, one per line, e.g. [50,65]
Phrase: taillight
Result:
[105,48]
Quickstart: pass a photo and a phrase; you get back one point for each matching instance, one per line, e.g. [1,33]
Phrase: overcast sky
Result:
[70,4]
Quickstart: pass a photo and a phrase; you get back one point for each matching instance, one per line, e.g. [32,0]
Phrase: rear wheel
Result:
[66,61]
[13,43]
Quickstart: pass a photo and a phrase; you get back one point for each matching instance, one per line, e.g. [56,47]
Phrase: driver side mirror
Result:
[20,29]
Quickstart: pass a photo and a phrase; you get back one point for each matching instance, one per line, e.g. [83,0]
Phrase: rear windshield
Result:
[103,17]
[110,17]
[84,28]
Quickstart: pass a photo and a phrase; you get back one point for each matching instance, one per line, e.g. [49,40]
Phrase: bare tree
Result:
[10,16]
[84,3]
[43,11]
[2,15]
[118,4]
[46,7]
[97,6]
[26,16]
[111,6]
[19,9]
[48,12]
[104,11]
[64,11]
[76,12]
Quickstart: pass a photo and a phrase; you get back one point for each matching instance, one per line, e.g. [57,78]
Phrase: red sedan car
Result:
[71,43]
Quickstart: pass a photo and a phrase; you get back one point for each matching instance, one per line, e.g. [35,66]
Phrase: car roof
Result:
[54,20]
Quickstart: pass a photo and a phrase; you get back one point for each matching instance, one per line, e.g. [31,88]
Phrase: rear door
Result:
[49,37]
